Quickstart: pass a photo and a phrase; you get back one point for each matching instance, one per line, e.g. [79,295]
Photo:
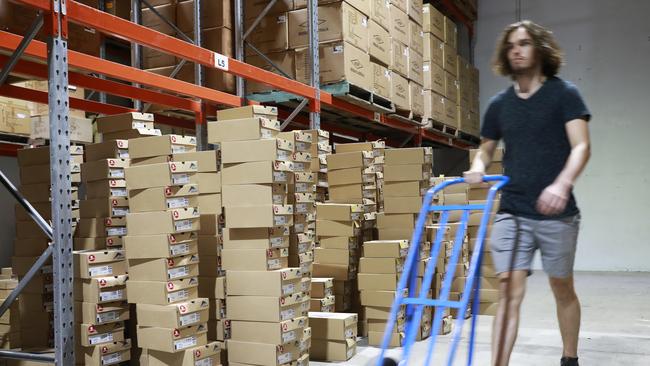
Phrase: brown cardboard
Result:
[266,309]
[208,354]
[130,134]
[282,282]
[214,14]
[164,222]
[416,38]
[254,7]
[210,204]
[334,256]
[104,207]
[451,33]
[172,340]
[380,12]
[256,150]
[107,150]
[285,332]
[192,312]
[405,173]
[433,21]
[434,106]
[414,11]
[385,249]
[262,172]
[97,314]
[400,91]
[163,198]
[250,111]
[161,175]
[124,121]
[256,238]
[264,355]
[398,24]
[91,335]
[242,129]
[416,97]
[212,287]
[41,155]
[102,289]
[322,287]
[338,21]
[380,265]
[336,271]
[405,189]
[434,77]
[433,50]
[109,353]
[207,160]
[379,298]
[162,293]
[379,42]
[209,182]
[388,221]
[345,176]
[285,60]
[164,269]
[254,259]
[271,35]
[41,174]
[349,160]
[259,216]
[98,227]
[92,264]
[146,147]
[253,195]
[333,326]
[339,61]
[338,242]
[449,59]
[399,61]
[327,350]
[451,88]
[107,188]
[451,114]
[337,228]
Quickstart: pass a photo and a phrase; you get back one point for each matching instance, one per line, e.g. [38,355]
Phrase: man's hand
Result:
[554,198]
[473,177]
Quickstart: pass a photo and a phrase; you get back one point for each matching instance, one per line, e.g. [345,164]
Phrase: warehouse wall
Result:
[607,46]
[9,167]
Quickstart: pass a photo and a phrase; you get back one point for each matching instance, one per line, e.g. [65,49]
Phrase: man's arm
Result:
[553,199]
[481,162]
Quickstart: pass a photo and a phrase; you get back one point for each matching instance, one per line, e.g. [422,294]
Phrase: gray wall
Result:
[9,167]
[607,47]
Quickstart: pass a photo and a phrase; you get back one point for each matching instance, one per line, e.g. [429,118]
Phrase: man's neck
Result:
[528,82]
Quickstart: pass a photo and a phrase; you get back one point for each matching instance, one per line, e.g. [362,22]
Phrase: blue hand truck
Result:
[415,303]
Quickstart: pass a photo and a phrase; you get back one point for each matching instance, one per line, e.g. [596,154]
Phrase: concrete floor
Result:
[615,326]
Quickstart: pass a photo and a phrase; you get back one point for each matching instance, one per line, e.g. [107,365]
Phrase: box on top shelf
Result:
[398,24]
[242,129]
[433,21]
[339,61]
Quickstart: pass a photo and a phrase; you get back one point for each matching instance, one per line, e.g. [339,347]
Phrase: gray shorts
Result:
[556,240]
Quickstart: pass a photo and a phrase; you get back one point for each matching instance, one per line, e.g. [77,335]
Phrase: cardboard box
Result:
[254,195]
[242,129]
[405,189]
[381,265]
[41,156]
[451,33]
[278,283]
[98,314]
[101,290]
[358,159]
[208,354]
[256,150]
[262,172]
[334,256]
[337,228]
[449,59]
[254,7]
[178,315]
[164,222]
[254,259]
[433,21]
[381,81]
[339,61]
[414,11]
[15,117]
[434,106]
[161,175]
[321,287]
[327,350]
[337,21]
[249,111]
[147,147]
[164,269]
[416,37]
[285,60]
[380,12]
[210,204]
[271,35]
[91,335]
[172,340]
[338,242]
[124,121]
[92,264]
[265,354]
[109,353]
[116,149]
[284,332]
[104,207]
[399,57]
[451,88]
[433,50]
[256,238]
[451,114]
[379,42]
[386,249]
[379,298]
[398,24]
[163,198]
[41,174]
[162,293]
[416,99]
[260,216]
[333,326]
[207,160]
[434,78]
[111,188]
[336,271]
[212,287]
[209,182]
[400,91]
[80,128]
[266,309]
[214,14]
[405,173]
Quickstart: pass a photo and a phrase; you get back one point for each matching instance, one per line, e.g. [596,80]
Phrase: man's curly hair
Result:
[547,50]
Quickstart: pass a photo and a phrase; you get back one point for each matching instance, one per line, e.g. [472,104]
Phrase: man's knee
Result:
[563,290]
[512,288]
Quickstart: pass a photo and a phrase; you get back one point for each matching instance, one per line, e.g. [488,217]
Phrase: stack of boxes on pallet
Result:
[477,194]
[10,320]
[322,295]
[265,303]
[216,35]
[320,147]
[334,336]
[126,126]
[36,300]
[450,82]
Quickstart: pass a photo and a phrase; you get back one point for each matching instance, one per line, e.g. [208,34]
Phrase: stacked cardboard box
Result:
[100,307]
[334,336]
[126,126]
[378,148]
[322,295]
[320,147]
[36,300]
[10,321]
[477,194]
[450,82]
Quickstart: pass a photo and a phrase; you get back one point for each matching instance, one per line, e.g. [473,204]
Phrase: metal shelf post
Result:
[314,114]
[136,49]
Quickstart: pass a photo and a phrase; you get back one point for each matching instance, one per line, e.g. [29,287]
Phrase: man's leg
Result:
[506,322]
[568,313]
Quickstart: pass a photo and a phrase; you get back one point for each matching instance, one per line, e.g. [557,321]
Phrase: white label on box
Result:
[287,314]
[284,155]
[276,242]
[123,154]
[280,220]
[112,358]
[110,316]
[180,178]
[190,319]
[266,134]
[178,149]
[289,336]
[119,211]
[179,202]
[279,176]
[303,247]
[100,271]
[364,22]
[425,68]
[178,295]
[116,231]
[185,343]
[173,273]
[303,187]
[274,264]
[278,199]
[299,228]
[137,125]
[304,286]
[179,249]
[299,167]
[302,146]
[204,362]
[183,225]
[116,172]
[284,358]
[288,289]
[118,192]
[100,338]
[338,49]
[220,61]
[112,295]
[304,345]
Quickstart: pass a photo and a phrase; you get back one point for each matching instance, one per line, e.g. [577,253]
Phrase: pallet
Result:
[12,138]
[406,115]
[445,129]
[468,137]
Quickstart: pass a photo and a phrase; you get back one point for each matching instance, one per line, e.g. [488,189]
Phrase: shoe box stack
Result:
[126,126]
[334,336]
[338,229]
[265,305]
[378,149]
[322,295]
[162,250]
[477,194]
[36,300]
[320,148]
[10,320]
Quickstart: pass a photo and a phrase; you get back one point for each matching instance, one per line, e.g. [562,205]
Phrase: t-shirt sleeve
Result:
[490,128]
[573,106]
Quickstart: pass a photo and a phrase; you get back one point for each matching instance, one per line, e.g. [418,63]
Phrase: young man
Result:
[543,123]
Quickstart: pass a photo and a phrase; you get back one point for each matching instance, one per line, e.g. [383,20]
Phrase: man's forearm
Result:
[484,156]
[575,164]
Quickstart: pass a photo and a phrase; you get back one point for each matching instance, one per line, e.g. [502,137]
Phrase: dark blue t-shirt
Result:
[536,143]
